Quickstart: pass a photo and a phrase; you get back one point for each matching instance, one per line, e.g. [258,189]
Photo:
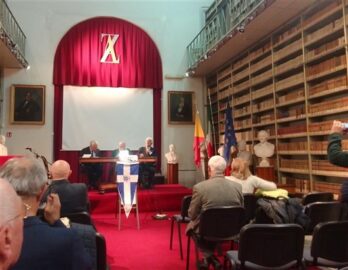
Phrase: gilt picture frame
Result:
[181,107]
[27,104]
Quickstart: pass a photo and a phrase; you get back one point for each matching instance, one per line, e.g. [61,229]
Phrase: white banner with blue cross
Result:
[127,181]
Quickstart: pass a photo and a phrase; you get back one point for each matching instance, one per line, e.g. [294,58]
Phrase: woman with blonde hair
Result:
[242,175]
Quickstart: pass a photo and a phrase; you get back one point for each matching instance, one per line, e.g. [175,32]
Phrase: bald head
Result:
[60,169]
[11,225]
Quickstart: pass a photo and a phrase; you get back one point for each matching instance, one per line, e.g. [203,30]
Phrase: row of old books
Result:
[291,96]
[299,128]
[329,84]
[325,165]
[327,65]
[328,105]
[293,146]
[325,47]
[297,164]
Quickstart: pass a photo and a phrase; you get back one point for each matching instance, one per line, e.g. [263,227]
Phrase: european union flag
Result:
[230,136]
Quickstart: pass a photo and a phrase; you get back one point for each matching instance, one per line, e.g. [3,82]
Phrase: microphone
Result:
[28,148]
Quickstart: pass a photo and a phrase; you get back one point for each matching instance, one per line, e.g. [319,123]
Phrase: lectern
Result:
[172,173]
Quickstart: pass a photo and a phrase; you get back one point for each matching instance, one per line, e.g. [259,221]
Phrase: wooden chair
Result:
[329,245]
[179,219]
[268,246]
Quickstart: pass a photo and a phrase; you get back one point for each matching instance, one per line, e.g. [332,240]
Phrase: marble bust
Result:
[171,156]
[243,153]
[264,149]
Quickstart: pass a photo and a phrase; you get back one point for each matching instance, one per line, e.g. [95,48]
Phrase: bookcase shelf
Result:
[292,83]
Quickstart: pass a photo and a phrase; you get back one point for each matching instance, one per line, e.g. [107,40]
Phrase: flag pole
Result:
[212,120]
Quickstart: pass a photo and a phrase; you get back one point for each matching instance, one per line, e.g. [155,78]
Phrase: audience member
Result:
[264,149]
[217,191]
[94,170]
[121,147]
[73,197]
[11,225]
[241,174]
[46,245]
[3,148]
[147,169]
[336,155]
[171,156]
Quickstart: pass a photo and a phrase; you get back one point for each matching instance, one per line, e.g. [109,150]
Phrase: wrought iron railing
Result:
[222,18]
[11,33]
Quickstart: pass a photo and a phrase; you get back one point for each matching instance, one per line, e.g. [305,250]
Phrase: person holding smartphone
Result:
[336,155]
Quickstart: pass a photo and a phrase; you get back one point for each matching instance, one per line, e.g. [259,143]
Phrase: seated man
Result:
[11,225]
[46,245]
[147,170]
[121,147]
[217,191]
[93,170]
[73,197]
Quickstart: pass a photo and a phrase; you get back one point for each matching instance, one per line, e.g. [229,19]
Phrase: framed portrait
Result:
[180,107]
[27,104]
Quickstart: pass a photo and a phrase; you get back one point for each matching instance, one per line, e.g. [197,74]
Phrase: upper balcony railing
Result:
[222,18]
[11,33]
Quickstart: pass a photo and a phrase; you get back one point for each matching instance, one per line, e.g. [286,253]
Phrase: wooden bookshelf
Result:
[292,83]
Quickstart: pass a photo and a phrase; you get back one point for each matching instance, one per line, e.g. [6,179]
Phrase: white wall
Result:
[172,24]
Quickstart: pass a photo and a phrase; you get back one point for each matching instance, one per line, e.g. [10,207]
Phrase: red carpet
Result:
[159,198]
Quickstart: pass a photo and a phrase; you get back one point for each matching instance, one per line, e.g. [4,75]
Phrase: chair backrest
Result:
[330,241]
[221,223]
[250,206]
[101,251]
[317,197]
[185,204]
[80,217]
[322,212]
[271,245]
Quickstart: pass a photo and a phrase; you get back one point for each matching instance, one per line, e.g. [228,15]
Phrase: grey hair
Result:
[93,142]
[26,175]
[9,201]
[148,138]
[217,165]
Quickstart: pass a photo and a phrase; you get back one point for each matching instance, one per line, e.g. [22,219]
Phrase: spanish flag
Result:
[198,140]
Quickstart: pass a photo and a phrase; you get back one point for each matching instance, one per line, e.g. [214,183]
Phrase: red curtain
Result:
[78,62]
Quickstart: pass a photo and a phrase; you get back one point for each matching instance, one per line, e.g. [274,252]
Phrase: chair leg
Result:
[137,214]
[180,244]
[171,234]
[188,253]
[119,215]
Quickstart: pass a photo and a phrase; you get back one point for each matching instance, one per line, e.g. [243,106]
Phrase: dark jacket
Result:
[334,151]
[51,247]
[73,197]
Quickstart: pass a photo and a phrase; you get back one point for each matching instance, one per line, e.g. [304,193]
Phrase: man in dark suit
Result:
[46,244]
[94,170]
[73,197]
[147,170]
[217,191]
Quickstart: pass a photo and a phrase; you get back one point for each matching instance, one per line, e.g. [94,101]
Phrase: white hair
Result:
[217,165]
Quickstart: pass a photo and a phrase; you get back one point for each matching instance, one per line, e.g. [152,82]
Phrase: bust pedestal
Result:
[266,173]
[172,173]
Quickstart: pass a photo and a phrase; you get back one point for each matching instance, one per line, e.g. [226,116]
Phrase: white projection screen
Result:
[108,115]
